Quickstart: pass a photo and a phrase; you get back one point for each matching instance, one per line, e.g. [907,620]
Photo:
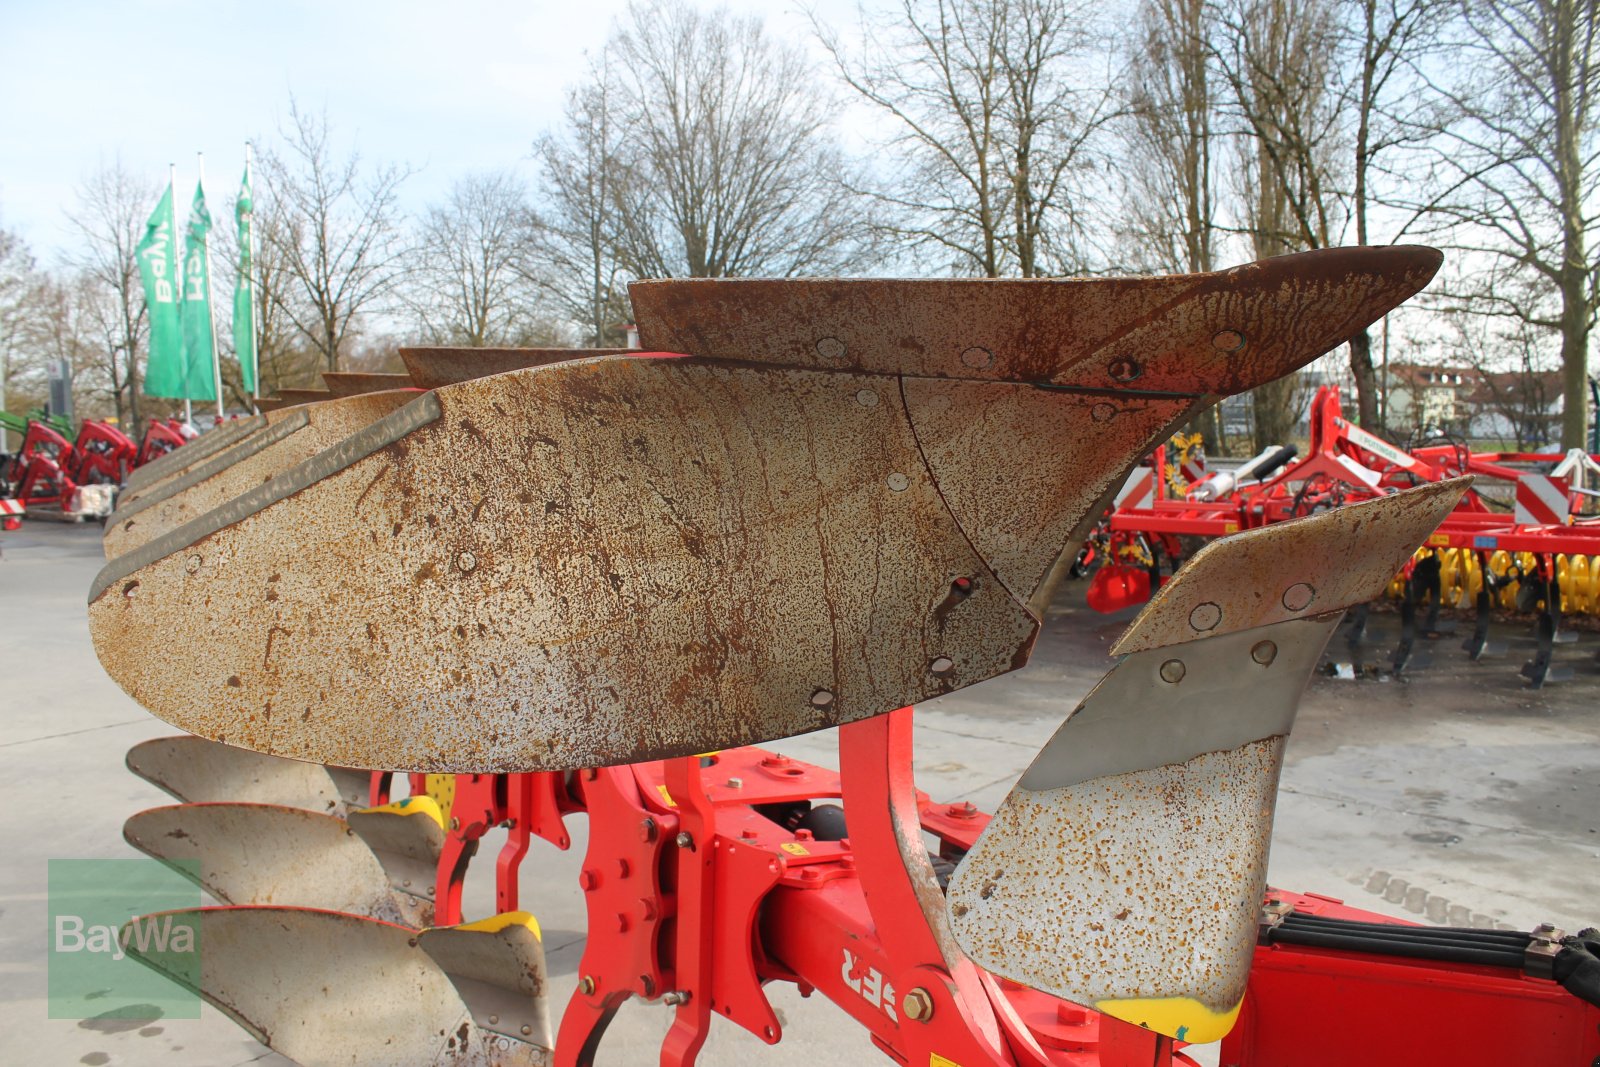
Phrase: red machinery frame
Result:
[697,897]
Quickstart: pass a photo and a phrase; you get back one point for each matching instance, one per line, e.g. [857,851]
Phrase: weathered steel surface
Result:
[1125,869]
[270,854]
[332,990]
[292,439]
[1230,329]
[200,448]
[432,367]
[1274,573]
[407,837]
[353,383]
[303,396]
[498,968]
[614,559]
[199,771]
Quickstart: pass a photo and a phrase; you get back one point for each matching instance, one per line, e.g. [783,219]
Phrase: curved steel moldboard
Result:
[199,771]
[299,435]
[431,368]
[1125,869]
[617,559]
[498,968]
[270,854]
[354,383]
[333,990]
[202,447]
[1231,329]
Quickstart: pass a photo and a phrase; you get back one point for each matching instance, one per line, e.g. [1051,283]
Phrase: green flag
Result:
[244,311]
[158,269]
[199,342]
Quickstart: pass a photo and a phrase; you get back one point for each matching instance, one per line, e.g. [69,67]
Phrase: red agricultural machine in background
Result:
[52,468]
[1525,537]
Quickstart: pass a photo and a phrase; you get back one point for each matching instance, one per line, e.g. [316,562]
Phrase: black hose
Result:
[1353,941]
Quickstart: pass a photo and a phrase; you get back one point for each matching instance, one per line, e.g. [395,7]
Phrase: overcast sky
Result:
[448,87]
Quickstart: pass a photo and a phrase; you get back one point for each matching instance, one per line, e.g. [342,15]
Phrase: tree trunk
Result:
[1366,379]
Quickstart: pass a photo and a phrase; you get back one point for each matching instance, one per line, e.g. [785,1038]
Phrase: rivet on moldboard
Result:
[1124,369]
[942,666]
[192,564]
[1227,341]
[977,358]
[830,348]
[1205,617]
[898,482]
[467,562]
[822,698]
[1173,671]
[867,398]
[1298,596]
[1102,412]
[1264,653]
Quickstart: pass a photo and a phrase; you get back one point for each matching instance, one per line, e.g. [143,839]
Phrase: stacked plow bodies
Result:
[555,587]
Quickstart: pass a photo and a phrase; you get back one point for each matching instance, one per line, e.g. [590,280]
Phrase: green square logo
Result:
[103,913]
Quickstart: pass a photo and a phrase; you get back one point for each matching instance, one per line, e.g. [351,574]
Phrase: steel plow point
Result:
[354,383]
[202,447]
[497,967]
[617,559]
[1125,870]
[298,435]
[330,990]
[270,854]
[432,367]
[407,837]
[198,771]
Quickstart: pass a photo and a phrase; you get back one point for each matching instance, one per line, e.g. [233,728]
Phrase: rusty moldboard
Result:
[431,367]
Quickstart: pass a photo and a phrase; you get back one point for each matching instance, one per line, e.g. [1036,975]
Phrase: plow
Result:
[1525,537]
[531,586]
[61,474]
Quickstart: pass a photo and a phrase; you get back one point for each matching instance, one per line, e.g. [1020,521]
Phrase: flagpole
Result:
[255,340]
[172,183]
[216,357]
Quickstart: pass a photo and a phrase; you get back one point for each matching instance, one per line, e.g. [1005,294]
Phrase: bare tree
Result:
[998,111]
[572,257]
[1520,176]
[466,288]
[724,160]
[338,235]
[113,204]
[18,283]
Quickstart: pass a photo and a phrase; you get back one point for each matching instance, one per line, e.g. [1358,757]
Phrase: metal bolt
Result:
[1298,596]
[1124,369]
[455,824]
[128,589]
[898,482]
[676,997]
[1173,671]
[1227,341]
[917,1005]
[685,840]
[586,985]
[977,358]
[648,985]
[526,1029]
[623,868]
[588,880]
[831,348]
[647,830]
[735,783]
[647,909]
[494,1018]
[622,923]
[192,564]
[964,810]
[1205,617]
[942,666]
[466,561]
[822,698]
[867,398]
[1264,653]
[1102,412]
